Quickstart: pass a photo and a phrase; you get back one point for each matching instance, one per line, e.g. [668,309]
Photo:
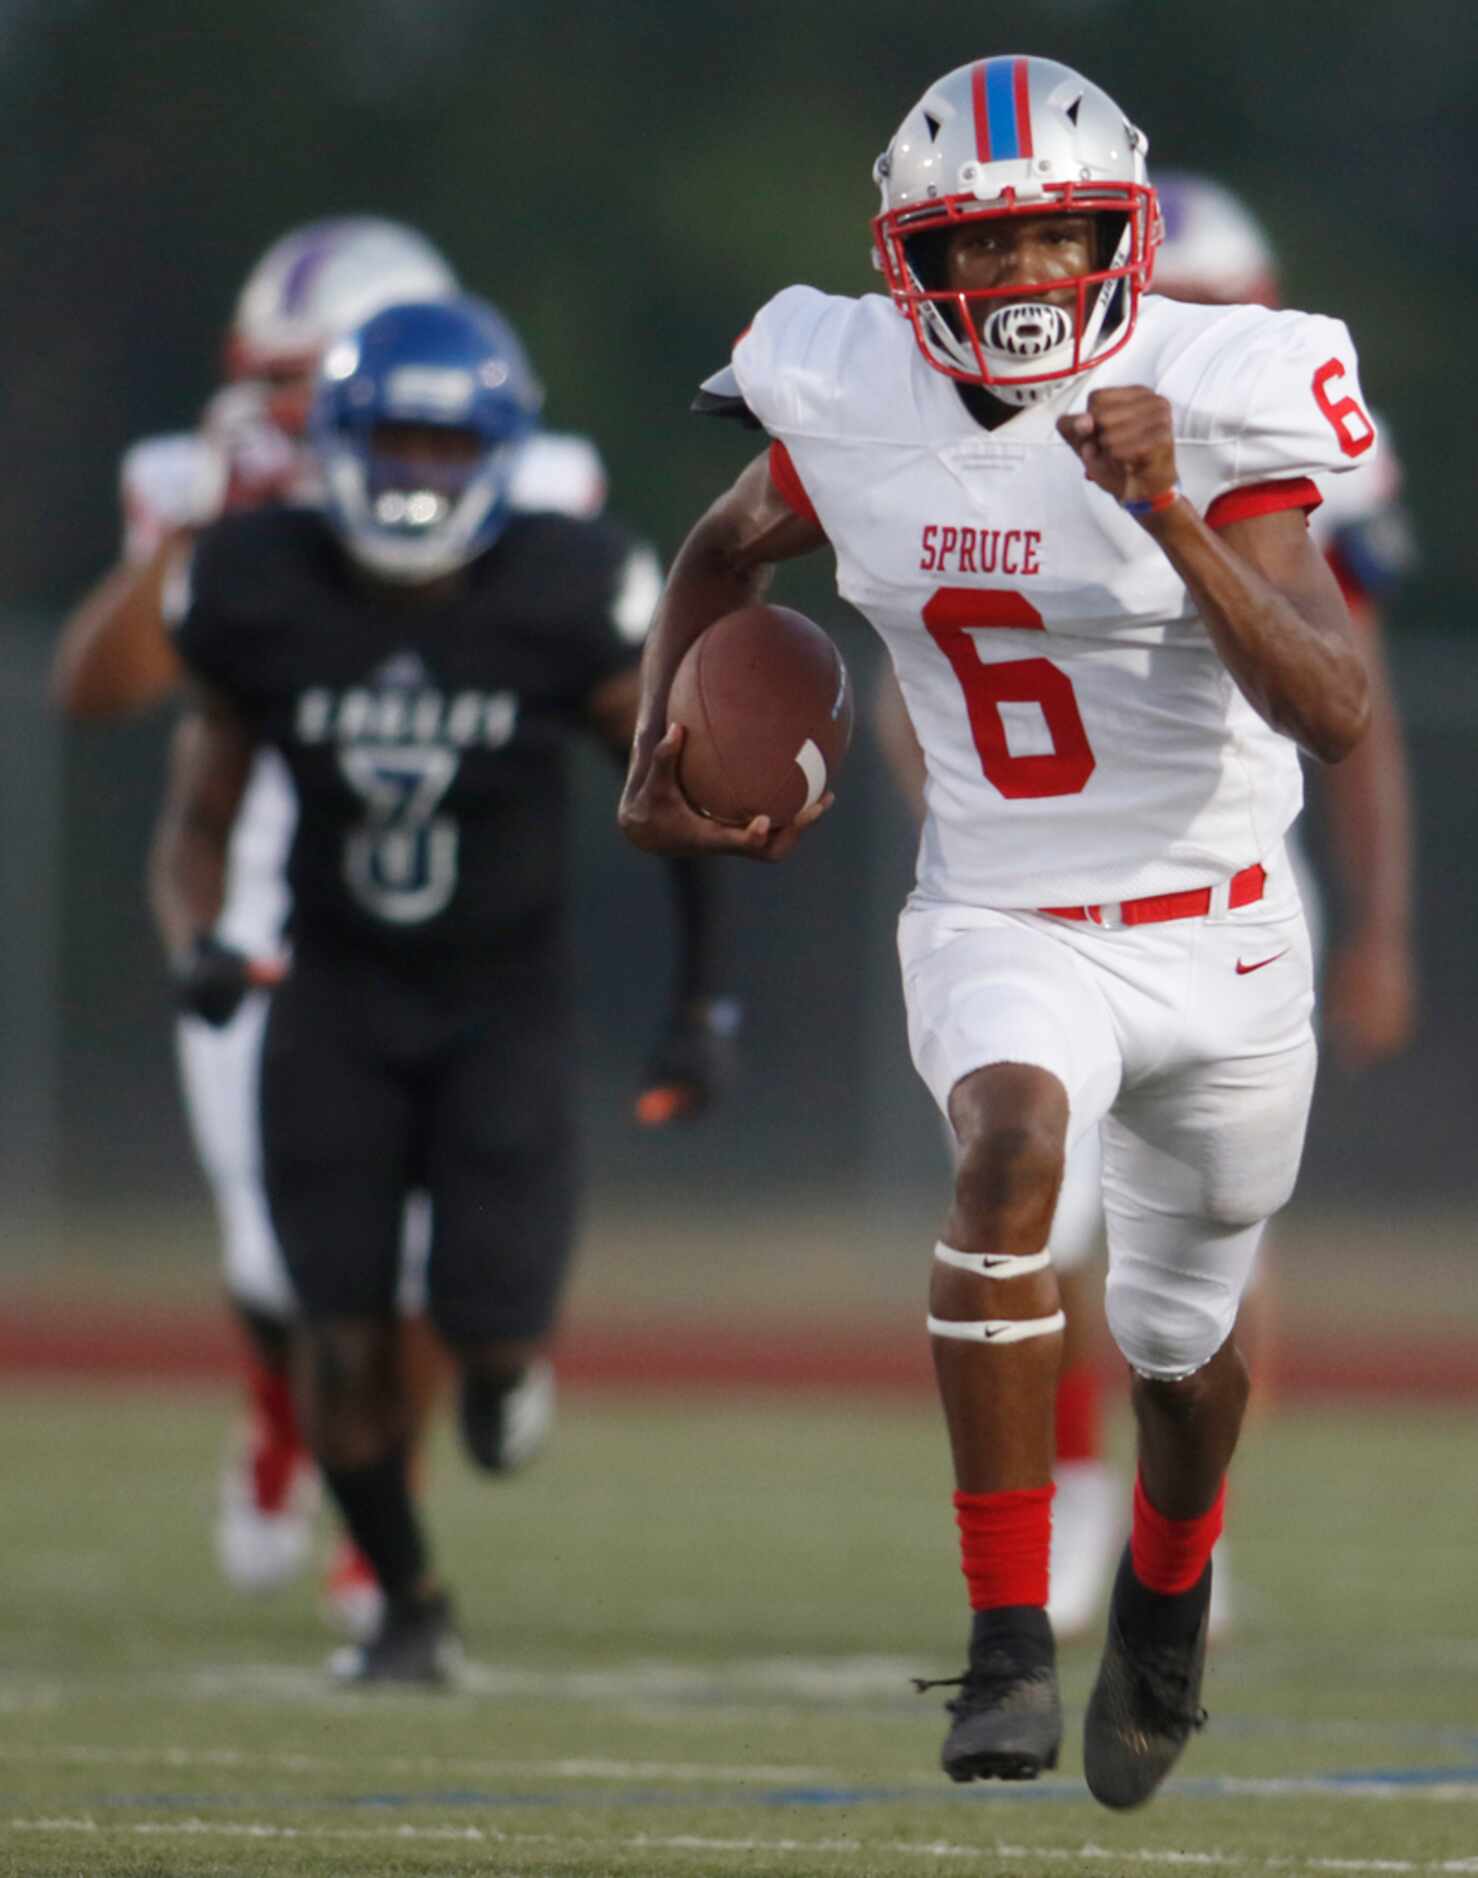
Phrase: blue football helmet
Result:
[405,511]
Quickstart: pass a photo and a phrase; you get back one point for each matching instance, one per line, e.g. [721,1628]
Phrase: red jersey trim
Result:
[786,478]
[1240,505]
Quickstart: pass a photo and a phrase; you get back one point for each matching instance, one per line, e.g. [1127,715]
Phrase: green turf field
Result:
[692,1631]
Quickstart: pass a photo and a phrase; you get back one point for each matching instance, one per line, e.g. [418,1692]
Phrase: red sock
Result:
[1171,1554]
[1004,1542]
[1079,1416]
[279,1447]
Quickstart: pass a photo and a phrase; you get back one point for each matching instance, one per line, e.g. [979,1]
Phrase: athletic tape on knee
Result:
[991,1264]
[997,1329]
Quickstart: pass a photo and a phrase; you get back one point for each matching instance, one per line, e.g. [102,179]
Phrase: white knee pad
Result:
[1170,1315]
[994,1329]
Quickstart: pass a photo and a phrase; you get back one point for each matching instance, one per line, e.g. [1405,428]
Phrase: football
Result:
[766,704]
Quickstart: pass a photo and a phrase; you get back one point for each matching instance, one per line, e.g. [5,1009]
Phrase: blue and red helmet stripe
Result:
[999,90]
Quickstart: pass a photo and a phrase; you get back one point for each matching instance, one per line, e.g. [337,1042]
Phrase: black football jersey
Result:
[427,735]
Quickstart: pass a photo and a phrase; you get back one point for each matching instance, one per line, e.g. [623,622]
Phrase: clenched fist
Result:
[1125,441]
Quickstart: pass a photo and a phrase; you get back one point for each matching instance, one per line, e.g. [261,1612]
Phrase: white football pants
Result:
[1187,1045]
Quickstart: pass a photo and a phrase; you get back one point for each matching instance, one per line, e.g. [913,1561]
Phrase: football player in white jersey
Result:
[1076,516]
[114,655]
[1215,252]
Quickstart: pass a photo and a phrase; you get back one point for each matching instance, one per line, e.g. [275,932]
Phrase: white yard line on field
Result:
[691,1842]
[565,1768]
[782,1780]
[655,1689]
[1462,1786]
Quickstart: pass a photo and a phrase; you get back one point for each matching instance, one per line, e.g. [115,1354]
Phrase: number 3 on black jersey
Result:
[400,863]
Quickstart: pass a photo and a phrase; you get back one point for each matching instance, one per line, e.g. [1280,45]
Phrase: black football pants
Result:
[379,1078]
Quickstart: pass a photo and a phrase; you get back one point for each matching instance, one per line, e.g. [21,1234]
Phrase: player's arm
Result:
[210,760]
[114,653]
[693,1058]
[725,563]
[1369,998]
[1270,604]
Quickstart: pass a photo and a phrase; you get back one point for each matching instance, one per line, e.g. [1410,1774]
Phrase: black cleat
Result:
[416,1644]
[1007,1718]
[1146,1703]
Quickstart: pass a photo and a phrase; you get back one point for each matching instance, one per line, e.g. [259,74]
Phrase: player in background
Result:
[1076,516]
[420,653]
[115,655]
[1215,253]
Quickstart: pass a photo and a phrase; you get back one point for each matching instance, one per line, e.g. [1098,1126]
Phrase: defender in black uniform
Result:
[421,656]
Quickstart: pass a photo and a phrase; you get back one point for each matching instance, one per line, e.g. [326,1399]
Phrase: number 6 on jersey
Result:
[1012,702]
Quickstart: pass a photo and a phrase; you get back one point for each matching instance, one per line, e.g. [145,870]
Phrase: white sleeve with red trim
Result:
[1278,402]
[791,361]
[796,368]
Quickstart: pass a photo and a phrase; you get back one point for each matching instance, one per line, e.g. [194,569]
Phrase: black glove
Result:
[211,980]
[694,1061]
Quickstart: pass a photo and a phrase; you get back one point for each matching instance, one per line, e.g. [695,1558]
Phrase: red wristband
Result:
[1153,505]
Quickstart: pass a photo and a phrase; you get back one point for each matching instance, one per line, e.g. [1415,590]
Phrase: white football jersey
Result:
[1083,740]
[176,481]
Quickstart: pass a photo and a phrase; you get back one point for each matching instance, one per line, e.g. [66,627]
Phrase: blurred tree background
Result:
[630,182]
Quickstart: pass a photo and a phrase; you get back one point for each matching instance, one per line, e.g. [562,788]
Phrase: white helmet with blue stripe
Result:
[419,417]
[1215,250]
[317,281]
[1015,136]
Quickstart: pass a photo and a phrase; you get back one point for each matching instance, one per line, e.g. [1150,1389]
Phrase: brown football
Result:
[766,703]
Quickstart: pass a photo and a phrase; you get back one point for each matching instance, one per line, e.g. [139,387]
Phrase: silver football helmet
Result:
[1215,250]
[318,281]
[1015,136]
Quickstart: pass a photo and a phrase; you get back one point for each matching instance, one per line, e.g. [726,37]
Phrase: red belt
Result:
[1245,888]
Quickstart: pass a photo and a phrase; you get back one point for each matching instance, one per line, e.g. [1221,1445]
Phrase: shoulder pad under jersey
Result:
[720,396]
[818,364]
